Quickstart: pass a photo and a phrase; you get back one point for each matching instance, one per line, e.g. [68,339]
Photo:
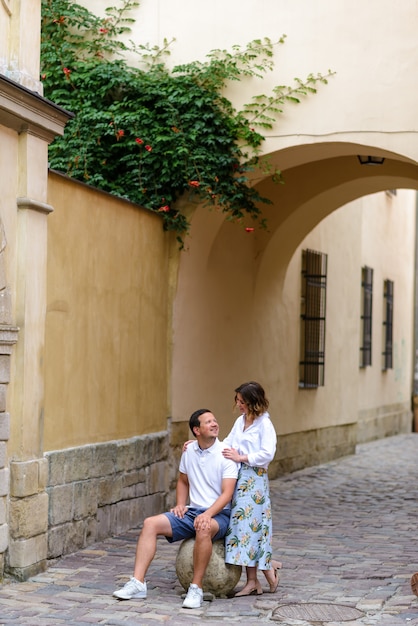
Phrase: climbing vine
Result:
[150,134]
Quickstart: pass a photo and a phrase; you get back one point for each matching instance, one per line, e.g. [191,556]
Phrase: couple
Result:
[211,475]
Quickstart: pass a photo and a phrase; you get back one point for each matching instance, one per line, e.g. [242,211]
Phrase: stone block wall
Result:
[8,338]
[4,487]
[312,447]
[385,421]
[28,518]
[298,450]
[100,490]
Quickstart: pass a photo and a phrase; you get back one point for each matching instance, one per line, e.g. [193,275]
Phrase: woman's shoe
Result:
[414,583]
[250,589]
[277,566]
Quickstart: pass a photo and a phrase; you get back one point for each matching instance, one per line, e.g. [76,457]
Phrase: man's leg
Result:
[146,547]
[147,543]
[203,551]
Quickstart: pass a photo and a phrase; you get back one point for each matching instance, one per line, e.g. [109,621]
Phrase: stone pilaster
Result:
[28,499]
[8,337]
[28,515]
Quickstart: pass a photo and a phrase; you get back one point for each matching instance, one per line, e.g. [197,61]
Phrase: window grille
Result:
[366,316]
[313,304]
[388,325]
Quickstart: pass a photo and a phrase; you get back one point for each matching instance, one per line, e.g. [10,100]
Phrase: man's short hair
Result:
[194,421]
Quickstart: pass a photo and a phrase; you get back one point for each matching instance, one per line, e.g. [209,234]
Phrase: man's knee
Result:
[205,534]
[149,524]
[156,525]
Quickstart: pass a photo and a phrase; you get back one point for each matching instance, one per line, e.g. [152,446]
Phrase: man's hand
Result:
[202,521]
[179,510]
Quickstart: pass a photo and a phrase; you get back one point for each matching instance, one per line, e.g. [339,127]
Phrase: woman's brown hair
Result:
[253,395]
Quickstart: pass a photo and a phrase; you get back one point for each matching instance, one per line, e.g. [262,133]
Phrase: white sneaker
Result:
[132,589]
[194,598]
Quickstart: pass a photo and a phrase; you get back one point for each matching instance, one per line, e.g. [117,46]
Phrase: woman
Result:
[252,442]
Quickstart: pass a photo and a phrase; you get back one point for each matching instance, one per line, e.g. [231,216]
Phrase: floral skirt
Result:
[248,539]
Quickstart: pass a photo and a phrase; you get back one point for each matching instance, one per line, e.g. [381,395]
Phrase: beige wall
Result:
[9,159]
[20,41]
[390,220]
[106,356]
[236,302]
[330,405]
[356,40]
[239,317]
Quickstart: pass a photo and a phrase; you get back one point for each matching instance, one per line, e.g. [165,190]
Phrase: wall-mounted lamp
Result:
[370,160]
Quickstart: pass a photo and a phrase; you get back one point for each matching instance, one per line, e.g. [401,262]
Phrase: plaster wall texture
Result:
[19,40]
[246,316]
[107,345]
[356,40]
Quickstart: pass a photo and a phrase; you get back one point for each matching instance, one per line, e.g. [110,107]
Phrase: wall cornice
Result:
[24,110]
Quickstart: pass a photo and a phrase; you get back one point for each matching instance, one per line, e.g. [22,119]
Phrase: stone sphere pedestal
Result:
[220,577]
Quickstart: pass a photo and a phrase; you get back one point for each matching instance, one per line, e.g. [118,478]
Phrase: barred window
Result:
[366,316]
[313,305]
[387,324]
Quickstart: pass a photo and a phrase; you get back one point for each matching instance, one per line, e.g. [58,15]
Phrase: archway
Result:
[236,312]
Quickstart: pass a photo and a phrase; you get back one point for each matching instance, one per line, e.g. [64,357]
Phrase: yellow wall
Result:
[106,353]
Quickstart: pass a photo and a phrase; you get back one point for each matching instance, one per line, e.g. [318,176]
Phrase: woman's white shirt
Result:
[258,441]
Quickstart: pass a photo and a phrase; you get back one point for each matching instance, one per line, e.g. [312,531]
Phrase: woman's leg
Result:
[252,585]
[273,575]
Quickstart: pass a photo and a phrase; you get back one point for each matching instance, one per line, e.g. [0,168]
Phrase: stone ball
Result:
[220,577]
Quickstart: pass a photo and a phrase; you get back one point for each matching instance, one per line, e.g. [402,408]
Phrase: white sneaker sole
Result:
[121,596]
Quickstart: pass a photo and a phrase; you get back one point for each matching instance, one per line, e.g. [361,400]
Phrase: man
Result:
[207,481]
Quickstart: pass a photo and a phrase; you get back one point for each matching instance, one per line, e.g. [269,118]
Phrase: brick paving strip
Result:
[346,532]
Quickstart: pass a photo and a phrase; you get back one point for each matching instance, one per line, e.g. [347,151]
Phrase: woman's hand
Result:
[231,453]
[186,443]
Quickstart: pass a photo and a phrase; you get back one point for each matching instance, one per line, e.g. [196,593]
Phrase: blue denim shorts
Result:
[183,528]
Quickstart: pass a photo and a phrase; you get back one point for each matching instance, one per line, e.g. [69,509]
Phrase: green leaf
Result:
[146,132]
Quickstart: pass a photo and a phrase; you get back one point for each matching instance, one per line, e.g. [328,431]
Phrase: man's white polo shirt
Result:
[205,470]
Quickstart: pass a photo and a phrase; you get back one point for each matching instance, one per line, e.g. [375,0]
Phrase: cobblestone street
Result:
[346,532]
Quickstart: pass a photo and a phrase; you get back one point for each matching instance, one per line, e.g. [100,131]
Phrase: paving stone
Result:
[345,532]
